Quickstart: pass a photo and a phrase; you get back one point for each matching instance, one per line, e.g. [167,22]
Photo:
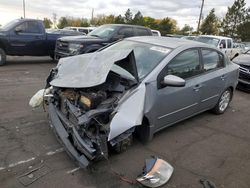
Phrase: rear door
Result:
[30,40]
[213,78]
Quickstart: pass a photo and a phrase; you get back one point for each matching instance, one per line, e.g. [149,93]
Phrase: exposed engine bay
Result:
[86,114]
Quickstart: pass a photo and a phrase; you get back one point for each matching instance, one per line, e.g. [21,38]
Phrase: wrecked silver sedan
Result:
[137,86]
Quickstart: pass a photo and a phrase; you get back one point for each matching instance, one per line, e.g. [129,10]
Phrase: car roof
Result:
[168,42]
[213,36]
[122,25]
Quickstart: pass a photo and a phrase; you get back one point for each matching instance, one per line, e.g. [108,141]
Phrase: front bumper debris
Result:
[63,138]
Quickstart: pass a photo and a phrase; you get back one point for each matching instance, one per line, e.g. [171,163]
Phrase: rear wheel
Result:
[223,102]
[2,57]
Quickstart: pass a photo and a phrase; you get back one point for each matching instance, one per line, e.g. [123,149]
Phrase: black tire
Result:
[52,56]
[142,132]
[223,102]
[2,57]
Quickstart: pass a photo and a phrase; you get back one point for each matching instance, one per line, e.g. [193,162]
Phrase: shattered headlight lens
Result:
[74,48]
[157,172]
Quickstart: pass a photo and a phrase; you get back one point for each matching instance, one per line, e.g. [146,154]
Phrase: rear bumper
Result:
[63,137]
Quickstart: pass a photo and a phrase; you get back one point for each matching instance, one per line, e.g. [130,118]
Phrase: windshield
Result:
[105,31]
[209,40]
[9,25]
[147,56]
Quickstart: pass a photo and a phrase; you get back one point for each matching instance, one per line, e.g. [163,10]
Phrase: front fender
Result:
[129,113]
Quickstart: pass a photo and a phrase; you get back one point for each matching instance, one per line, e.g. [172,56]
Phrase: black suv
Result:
[96,39]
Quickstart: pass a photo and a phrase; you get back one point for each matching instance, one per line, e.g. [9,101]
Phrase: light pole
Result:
[23,8]
[198,28]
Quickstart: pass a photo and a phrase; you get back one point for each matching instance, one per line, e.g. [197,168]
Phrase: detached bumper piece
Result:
[63,136]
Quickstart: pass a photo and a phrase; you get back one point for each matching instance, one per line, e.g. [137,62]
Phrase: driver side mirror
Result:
[174,81]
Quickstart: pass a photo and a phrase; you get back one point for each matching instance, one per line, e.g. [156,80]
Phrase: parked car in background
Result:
[156,32]
[241,46]
[140,85]
[64,32]
[190,37]
[96,39]
[27,37]
[84,30]
[243,60]
[224,43]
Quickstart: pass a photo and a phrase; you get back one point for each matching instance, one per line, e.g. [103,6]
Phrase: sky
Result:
[184,11]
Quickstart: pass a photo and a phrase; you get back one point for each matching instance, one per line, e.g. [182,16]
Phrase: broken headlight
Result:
[156,172]
[74,48]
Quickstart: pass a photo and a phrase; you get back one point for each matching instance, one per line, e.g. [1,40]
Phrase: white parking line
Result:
[18,163]
[31,159]
[54,152]
[73,170]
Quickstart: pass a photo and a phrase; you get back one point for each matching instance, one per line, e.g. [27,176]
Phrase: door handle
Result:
[197,87]
[223,77]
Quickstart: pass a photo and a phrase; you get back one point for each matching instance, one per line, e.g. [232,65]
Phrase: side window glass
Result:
[126,32]
[141,32]
[22,27]
[185,65]
[229,43]
[212,60]
[33,27]
[223,44]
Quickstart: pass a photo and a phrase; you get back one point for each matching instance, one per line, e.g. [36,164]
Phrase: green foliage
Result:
[210,26]
[186,30]
[235,16]
[47,22]
[70,21]
[138,19]
[119,20]
[167,26]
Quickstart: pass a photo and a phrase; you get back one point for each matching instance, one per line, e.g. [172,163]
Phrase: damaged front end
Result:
[90,120]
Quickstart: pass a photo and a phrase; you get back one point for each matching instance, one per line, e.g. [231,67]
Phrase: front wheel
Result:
[223,102]
[2,57]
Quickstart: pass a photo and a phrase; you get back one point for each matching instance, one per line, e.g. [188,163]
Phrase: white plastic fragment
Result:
[37,99]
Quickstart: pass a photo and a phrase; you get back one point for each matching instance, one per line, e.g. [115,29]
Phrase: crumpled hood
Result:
[243,59]
[88,70]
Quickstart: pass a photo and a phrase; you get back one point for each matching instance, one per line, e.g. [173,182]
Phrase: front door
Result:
[28,39]
[173,104]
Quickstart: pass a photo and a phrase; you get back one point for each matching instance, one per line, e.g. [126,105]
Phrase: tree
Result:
[186,30]
[168,26]
[63,22]
[150,22]
[211,24]
[47,22]
[128,17]
[138,19]
[235,16]
[119,20]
